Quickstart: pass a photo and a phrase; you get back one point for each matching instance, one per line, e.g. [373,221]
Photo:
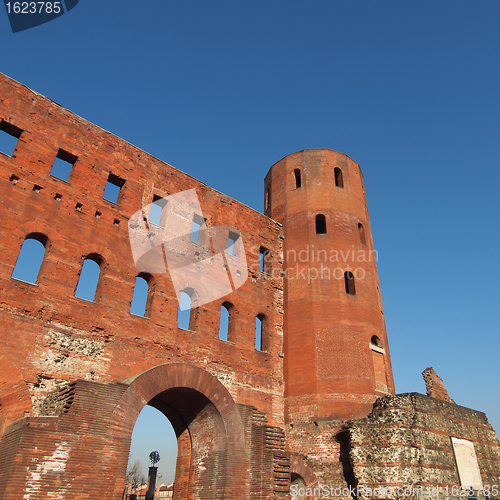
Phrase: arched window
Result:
[361,231]
[349,283]
[260,330]
[89,277]
[378,358]
[141,300]
[225,321]
[339,179]
[320,224]
[184,318]
[30,258]
[298,180]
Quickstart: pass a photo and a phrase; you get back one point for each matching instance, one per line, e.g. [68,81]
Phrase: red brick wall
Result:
[38,318]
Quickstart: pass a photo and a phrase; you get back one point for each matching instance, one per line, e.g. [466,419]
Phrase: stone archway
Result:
[212,458]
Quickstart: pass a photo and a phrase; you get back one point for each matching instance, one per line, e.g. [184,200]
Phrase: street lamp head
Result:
[154,456]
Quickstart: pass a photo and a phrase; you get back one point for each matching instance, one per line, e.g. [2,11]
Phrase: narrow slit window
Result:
[113,188]
[260,320]
[339,178]
[320,224]
[361,231]
[157,211]
[264,260]
[349,283]
[231,241]
[9,136]
[298,180]
[379,368]
[268,198]
[225,318]
[184,311]
[142,295]
[195,228]
[89,278]
[63,164]
[30,258]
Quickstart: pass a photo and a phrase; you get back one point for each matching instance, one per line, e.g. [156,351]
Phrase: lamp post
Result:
[154,456]
[158,484]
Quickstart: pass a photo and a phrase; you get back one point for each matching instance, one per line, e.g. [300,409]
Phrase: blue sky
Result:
[410,90]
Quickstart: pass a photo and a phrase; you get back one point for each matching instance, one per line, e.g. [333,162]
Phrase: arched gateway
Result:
[213,458]
[83,446]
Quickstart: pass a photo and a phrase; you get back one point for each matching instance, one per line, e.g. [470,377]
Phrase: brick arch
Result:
[95,249]
[298,465]
[197,405]
[156,380]
[15,400]
[34,226]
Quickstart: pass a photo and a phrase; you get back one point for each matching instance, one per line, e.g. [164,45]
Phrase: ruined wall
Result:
[320,453]
[406,441]
[434,385]
[402,450]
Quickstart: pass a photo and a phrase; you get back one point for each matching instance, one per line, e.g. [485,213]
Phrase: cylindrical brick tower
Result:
[335,343]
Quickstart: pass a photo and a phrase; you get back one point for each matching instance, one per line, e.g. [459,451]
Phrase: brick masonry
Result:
[250,423]
[407,440]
